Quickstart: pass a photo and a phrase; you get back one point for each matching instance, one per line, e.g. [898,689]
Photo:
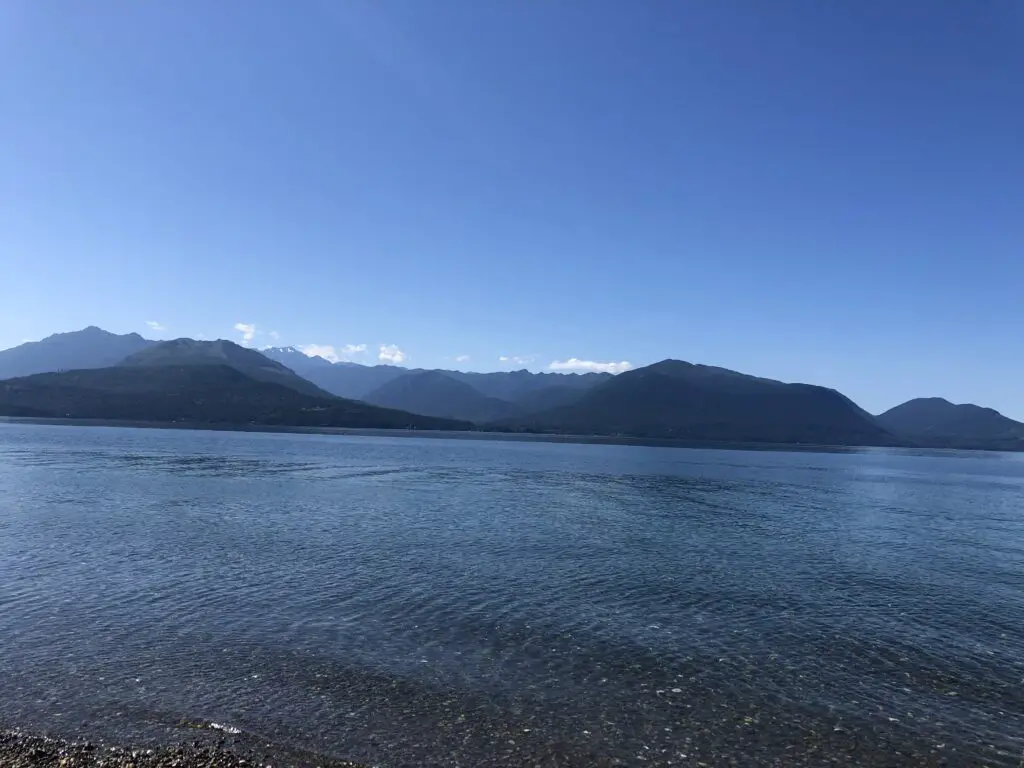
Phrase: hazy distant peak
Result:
[192,348]
[91,333]
[90,347]
[190,352]
[298,359]
[87,332]
[432,375]
[439,393]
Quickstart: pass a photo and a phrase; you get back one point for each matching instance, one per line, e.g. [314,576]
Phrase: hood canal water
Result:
[410,602]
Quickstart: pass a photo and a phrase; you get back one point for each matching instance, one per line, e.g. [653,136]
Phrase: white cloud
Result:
[248,330]
[326,351]
[274,335]
[462,358]
[517,359]
[332,353]
[155,326]
[575,364]
[389,353]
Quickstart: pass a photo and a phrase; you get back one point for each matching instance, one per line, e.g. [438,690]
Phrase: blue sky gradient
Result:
[826,192]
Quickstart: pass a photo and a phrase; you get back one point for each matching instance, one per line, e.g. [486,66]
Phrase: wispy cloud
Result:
[575,364]
[389,353]
[274,335]
[332,353]
[462,358]
[517,359]
[155,326]
[326,351]
[248,331]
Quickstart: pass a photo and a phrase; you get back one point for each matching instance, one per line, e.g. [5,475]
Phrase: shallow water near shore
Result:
[414,602]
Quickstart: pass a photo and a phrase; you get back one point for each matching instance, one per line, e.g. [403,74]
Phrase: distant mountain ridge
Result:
[296,359]
[680,400]
[353,380]
[90,347]
[937,422]
[194,393]
[221,352]
[493,395]
[515,386]
[344,380]
[437,393]
[111,373]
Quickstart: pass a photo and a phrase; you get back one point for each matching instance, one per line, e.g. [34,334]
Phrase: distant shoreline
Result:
[523,437]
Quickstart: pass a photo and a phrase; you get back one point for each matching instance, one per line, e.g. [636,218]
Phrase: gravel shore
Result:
[21,750]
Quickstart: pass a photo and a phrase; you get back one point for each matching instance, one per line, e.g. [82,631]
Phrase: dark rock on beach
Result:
[21,750]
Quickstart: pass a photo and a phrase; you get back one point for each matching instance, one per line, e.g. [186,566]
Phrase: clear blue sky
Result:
[830,192]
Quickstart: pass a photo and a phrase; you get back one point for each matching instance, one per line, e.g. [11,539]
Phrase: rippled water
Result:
[454,602]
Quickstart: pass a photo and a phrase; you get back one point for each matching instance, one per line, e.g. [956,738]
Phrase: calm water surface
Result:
[462,603]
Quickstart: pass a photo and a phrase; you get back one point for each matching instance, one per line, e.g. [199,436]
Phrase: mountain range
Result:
[680,400]
[93,374]
[210,394]
[358,381]
[184,380]
[440,394]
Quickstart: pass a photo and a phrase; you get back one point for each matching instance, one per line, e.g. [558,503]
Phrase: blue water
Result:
[460,602]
